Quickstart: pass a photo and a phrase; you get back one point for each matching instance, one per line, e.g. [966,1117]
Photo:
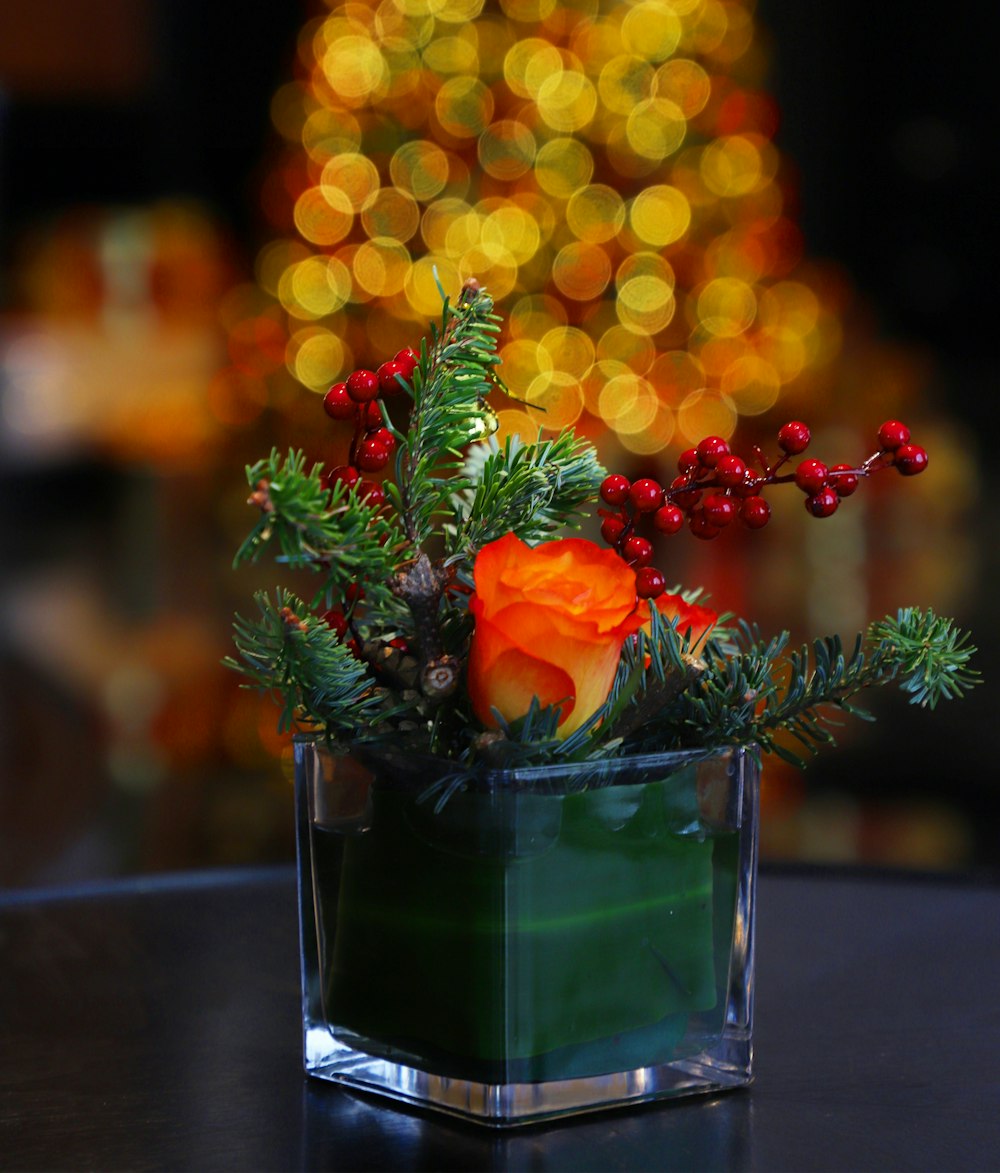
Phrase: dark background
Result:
[888,115]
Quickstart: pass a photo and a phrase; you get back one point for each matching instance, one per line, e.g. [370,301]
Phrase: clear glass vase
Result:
[527,943]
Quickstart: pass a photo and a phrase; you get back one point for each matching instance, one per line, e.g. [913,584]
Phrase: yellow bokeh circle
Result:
[731,166]
[752,384]
[421,283]
[569,350]
[515,422]
[567,100]
[354,68]
[705,413]
[528,63]
[318,358]
[625,81]
[327,134]
[675,374]
[420,168]
[446,55]
[660,214]
[581,271]
[563,166]
[323,217]
[528,10]
[559,396]
[652,29]
[520,362]
[620,345]
[645,304]
[352,176]
[507,149]
[510,232]
[656,128]
[380,266]
[464,107]
[654,437]
[685,83]
[596,213]
[320,285]
[726,306]
[438,219]
[390,212]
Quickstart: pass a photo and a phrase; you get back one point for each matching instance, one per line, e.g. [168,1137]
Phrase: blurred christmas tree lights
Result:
[606,169]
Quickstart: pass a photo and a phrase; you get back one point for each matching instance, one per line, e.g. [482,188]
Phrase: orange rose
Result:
[691,620]
[550,622]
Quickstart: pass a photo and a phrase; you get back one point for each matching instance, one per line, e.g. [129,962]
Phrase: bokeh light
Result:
[606,169]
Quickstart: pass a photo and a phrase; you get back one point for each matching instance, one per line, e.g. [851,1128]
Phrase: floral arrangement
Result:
[453,617]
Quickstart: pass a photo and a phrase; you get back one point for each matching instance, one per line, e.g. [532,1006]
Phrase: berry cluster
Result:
[356,399]
[715,488]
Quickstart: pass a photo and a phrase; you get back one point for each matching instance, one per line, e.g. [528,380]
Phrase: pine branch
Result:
[751,695]
[533,489]
[331,531]
[450,384]
[929,653]
[301,661]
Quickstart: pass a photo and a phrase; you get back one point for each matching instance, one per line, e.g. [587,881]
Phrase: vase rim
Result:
[486,773]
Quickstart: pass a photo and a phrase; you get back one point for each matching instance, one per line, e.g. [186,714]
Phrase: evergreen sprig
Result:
[930,655]
[450,383]
[531,489]
[755,694]
[299,659]
[335,532]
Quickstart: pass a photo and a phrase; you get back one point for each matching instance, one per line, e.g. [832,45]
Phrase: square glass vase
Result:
[527,943]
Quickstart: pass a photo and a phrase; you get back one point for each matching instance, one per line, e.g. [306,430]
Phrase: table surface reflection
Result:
[153,1025]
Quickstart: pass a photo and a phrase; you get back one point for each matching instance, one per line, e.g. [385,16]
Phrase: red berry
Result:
[701,526]
[372,415]
[336,621]
[730,471]
[749,485]
[407,359]
[372,493]
[794,437]
[892,435]
[362,385]
[843,479]
[910,459]
[649,582]
[710,449]
[354,593]
[400,644]
[682,494]
[372,456]
[387,381]
[719,509]
[755,512]
[615,488]
[338,404]
[811,476]
[384,437]
[823,503]
[612,529]
[638,551]
[668,519]
[646,494]
[688,460]
[343,472]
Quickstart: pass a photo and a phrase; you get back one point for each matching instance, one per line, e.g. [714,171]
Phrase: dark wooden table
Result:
[154,1025]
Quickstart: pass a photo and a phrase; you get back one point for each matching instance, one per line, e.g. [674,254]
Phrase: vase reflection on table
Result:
[527,943]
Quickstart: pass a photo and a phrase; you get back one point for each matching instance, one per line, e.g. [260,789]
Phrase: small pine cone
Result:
[439,678]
